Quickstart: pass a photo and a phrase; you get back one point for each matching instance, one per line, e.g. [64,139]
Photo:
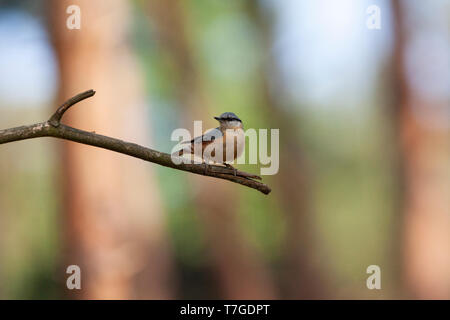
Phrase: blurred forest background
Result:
[364,142]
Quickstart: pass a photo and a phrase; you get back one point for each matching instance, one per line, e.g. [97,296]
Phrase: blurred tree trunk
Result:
[425,156]
[240,270]
[113,216]
[302,278]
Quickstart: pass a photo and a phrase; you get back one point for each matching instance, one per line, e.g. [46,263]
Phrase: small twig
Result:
[54,128]
[56,117]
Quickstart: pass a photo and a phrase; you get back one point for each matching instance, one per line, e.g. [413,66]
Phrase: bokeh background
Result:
[364,141]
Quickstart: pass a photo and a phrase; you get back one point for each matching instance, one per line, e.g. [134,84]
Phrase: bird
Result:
[229,134]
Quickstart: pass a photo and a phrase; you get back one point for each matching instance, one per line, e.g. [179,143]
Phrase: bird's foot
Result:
[205,171]
[231,167]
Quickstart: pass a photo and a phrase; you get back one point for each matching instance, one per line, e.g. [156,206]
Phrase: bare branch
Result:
[53,128]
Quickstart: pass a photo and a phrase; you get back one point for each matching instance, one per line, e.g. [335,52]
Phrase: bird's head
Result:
[228,120]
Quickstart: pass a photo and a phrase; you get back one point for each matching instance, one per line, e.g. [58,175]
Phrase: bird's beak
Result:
[217,118]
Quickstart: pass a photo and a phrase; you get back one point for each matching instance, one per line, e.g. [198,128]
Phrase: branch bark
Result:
[54,128]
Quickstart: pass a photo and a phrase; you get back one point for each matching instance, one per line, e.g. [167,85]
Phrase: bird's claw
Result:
[231,167]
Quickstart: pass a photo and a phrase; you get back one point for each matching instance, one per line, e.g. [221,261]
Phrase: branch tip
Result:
[56,117]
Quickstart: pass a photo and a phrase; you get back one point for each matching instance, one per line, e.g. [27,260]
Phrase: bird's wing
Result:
[207,138]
